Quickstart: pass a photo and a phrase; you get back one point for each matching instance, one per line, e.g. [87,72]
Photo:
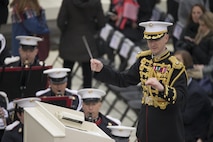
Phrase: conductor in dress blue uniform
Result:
[15,132]
[91,107]
[57,87]
[28,53]
[164,85]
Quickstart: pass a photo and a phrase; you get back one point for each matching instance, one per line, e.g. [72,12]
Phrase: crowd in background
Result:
[80,23]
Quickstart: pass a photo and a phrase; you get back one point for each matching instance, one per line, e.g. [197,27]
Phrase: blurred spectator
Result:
[184,9]
[3,11]
[127,24]
[57,87]
[92,101]
[197,110]
[191,28]
[146,8]
[78,19]
[201,46]
[28,18]
[172,8]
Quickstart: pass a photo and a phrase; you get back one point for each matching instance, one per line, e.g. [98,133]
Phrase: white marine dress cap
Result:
[155,29]
[29,40]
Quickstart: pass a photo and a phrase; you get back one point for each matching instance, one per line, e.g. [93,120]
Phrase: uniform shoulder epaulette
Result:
[41,92]
[71,91]
[175,62]
[12,126]
[144,53]
[10,60]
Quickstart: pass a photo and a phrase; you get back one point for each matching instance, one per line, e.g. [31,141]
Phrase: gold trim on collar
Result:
[162,56]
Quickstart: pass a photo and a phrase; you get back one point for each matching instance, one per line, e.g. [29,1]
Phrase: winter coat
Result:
[4,11]
[78,18]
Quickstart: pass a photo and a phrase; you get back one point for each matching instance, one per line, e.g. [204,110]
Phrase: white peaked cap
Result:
[156,28]
[90,93]
[121,131]
[57,72]
[26,102]
[29,40]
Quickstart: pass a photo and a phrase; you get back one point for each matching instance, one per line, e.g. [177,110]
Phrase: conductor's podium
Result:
[50,123]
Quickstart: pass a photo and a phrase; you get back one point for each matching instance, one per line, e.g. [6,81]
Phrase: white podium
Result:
[50,123]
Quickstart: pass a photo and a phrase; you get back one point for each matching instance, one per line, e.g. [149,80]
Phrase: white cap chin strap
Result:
[3,43]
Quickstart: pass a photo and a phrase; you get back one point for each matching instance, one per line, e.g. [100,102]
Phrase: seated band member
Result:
[28,53]
[121,133]
[14,132]
[92,101]
[57,78]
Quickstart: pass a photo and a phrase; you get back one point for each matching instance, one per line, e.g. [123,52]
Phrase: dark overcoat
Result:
[197,113]
[4,11]
[13,132]
[77,19]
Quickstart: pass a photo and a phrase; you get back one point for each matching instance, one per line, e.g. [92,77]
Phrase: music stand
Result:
[19,82]
[63,101]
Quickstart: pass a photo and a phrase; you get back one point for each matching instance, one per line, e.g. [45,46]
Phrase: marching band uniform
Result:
[91,95]
[26,43]
[160,117]
[13,132]
[16,62]
[59,76]
[26,69]
[102,122]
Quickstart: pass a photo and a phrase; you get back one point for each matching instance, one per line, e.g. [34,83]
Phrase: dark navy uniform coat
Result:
[18,63]
[13,132]
[102,122]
